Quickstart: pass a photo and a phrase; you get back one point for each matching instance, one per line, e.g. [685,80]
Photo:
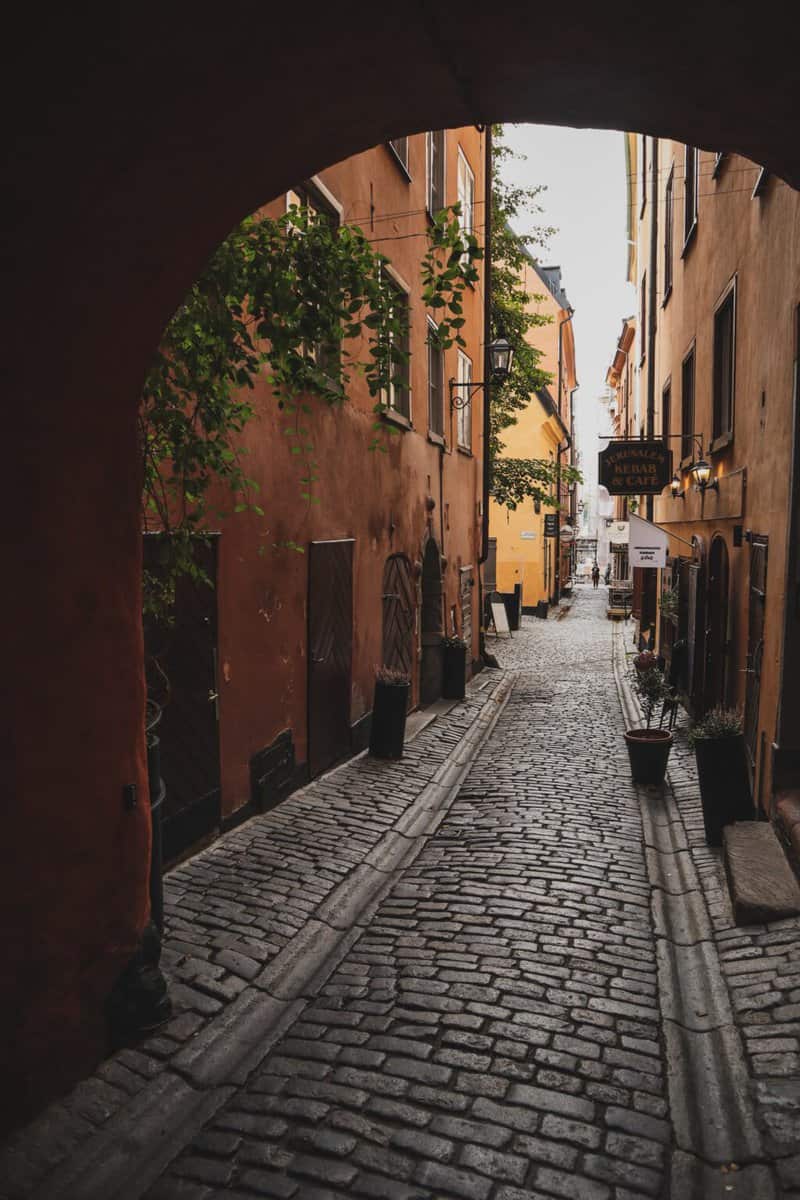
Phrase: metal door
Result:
[755,645]
[399,610]
[181,657]
[330,652]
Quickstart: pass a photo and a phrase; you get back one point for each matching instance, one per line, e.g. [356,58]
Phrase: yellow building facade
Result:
[524,555]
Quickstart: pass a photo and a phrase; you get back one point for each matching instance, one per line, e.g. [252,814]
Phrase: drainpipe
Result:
[487,361]
[487,375]
[557,568]
[652,322]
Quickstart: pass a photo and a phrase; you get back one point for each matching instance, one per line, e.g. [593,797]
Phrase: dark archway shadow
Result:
[136,137]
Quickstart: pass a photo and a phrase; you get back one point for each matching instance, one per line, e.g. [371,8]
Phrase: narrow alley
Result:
[544,994]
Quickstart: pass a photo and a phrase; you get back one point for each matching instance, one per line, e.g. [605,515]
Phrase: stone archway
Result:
[139,144]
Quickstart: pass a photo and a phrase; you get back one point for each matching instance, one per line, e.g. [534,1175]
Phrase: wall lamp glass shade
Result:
[701,470]
[675,487]
[501,355]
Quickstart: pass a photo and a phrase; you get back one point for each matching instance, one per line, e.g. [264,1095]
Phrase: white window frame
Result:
[429,144]
[466,194]
[399,286]
[437,434]
[464,413]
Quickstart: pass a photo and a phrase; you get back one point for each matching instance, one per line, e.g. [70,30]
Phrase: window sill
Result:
[396,418]
[722,442]
[689,239]
[465,450]
[436,439]
[398,161]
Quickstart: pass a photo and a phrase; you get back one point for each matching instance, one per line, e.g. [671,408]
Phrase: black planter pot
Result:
[388,728]
[648,751]
[724,784]
[455,672]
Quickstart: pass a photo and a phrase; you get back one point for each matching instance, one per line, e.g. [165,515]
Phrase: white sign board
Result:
[618,533]
[528,535]
[500,618]
[647,545]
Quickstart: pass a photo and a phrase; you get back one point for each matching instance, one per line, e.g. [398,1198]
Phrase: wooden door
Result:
[430,681]
[399,613]
[755,646]
[181,657]
[330,652]
[717,624]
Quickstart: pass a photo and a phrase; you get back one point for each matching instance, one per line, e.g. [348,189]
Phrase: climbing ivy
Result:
[305,303]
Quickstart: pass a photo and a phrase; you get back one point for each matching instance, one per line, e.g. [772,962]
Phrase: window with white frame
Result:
[397,397]
[320,205]
[434,143]
[724,365]
[466,195]
[464,379]
[399,147]
[691,179]
[435,384]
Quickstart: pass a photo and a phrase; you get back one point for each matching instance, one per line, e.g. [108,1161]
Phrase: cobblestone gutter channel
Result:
[253,926]
[711,1099]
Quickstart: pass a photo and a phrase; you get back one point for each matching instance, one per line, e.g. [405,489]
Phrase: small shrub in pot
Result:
[648,749]
[718,744]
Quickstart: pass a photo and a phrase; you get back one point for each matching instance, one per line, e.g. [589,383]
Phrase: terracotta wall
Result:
[387,502]
[754,240]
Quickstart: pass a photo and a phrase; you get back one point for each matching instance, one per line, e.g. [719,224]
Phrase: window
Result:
[463,393]
[761,183]
[435,385]
[642,316]
[435,154]
[466,194]
[398,395]
[690,184]
[666,411]
[399,147]
[724,355]
[719,158]
[669,224]
[320,204]
[642,173]
[687,406]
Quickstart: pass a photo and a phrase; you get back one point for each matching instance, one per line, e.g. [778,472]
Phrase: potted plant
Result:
[648,749]
[454,672]
[718,744]
[388,727]
[669,603]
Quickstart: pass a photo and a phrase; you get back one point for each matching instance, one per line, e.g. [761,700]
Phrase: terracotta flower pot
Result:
[648,751]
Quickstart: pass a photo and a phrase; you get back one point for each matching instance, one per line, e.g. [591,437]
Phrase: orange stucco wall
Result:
[378,499]
[757,241]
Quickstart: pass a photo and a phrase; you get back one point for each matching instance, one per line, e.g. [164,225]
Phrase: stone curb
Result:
[708,1078]
[133,1148]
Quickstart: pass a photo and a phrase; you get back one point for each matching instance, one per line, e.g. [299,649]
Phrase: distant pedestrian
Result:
[595,575]
[608,573]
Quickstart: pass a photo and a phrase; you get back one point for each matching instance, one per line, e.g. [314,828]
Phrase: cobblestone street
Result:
[525,1009]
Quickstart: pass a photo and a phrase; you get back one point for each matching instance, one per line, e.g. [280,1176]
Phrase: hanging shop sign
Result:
[618,533]
[550,524]
[528,535]
[647,545]
[635,467]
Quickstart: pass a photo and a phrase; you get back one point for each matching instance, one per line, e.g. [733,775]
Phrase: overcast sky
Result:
[584,171]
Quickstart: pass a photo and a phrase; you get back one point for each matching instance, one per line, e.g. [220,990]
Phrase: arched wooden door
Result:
[717,623]
[430,680]
[399,606]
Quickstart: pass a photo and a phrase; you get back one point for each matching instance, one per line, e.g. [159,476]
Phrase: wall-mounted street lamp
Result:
[501,356]
[699,469]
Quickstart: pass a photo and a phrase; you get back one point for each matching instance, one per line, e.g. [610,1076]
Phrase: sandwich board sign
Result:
[500,617]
